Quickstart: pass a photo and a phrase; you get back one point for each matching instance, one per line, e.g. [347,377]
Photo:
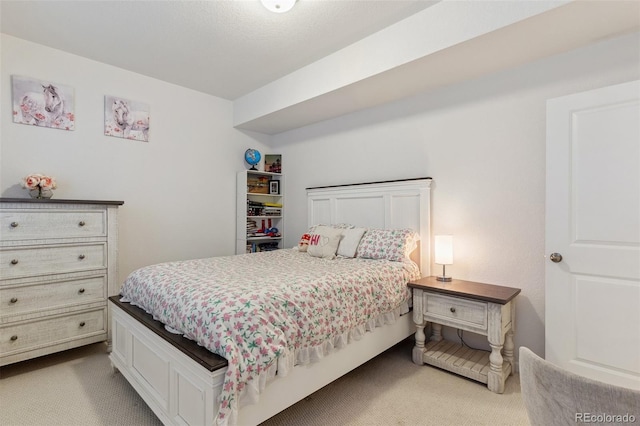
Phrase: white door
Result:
[592,292]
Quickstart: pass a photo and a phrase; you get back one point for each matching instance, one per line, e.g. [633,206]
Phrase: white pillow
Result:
[324,242]
[350,241]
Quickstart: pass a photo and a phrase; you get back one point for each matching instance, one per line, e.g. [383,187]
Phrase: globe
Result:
[252,156]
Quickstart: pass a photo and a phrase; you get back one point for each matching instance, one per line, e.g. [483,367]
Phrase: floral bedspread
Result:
[266,312]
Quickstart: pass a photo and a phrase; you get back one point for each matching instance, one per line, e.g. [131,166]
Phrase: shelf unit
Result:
[256,203]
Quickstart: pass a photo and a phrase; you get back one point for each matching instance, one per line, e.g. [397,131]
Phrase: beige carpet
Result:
[77,387]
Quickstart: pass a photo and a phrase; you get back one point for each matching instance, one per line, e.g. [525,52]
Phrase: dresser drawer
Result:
[41,297]
[26,262]
[456,310]
[46,224]
[47,332]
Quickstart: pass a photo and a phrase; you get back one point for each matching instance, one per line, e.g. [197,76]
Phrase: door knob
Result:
[556,257]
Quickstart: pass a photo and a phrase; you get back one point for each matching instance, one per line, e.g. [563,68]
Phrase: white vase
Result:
[41,193]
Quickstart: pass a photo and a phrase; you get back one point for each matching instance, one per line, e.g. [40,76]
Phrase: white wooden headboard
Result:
[393,204]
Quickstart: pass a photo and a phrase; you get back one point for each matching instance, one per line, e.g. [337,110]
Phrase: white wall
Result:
[483,142]
[178,189]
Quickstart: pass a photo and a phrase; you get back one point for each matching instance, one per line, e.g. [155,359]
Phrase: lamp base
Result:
[444,276]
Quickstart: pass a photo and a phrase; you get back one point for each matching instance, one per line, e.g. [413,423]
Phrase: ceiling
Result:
[339,56]
[226,48]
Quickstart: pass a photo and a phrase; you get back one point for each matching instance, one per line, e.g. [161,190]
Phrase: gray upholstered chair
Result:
[554,396]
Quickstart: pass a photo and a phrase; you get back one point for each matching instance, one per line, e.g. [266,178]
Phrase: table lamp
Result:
[444,254]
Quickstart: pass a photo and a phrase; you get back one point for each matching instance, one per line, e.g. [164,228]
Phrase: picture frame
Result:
[126,119]
[43,103]
[273,163]
[274,187]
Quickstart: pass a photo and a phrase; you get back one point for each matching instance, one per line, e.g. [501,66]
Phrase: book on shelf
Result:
[259,247]
[270,246]
[272,211]
[256,208]
[258,184]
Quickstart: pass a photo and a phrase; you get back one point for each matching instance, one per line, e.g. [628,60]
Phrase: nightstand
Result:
[483,309]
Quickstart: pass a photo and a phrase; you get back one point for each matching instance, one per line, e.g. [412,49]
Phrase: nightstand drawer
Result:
[456,310]
[32,261]
[18,225]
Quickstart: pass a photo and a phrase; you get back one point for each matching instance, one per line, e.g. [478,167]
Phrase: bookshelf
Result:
[259,210]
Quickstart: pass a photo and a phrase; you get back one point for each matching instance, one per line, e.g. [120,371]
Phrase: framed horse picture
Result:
[42,103]
[126,119]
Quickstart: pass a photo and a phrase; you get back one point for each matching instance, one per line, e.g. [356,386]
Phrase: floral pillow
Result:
[389,244]
[323,242]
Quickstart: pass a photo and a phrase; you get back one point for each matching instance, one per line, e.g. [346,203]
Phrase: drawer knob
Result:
[81,291]
[14,300]
[81,223]
[452,309]
[14,337]
[14,224]
[81,257]
[14,261]
[82,324]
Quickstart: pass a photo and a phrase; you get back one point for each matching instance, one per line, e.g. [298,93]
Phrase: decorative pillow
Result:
[342,226]
[335,226]
[350,241]
[304,242]
[324,242]
[390,244]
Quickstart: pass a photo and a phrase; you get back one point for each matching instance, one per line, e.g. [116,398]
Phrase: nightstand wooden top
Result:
[469,289]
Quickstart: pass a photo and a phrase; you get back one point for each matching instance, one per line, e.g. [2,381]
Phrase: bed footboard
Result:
[177,389]
[184,389]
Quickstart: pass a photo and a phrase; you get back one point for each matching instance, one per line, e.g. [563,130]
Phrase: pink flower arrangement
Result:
[39,186]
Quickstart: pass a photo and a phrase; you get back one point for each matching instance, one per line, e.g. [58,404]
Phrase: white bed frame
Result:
[180,391]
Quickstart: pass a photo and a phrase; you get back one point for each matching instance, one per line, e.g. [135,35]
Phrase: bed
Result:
[290,324]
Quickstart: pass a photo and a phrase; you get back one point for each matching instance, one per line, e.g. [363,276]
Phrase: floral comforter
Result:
[266,312]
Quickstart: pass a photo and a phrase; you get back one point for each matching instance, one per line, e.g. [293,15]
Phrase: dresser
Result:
[58,266]
[484,309]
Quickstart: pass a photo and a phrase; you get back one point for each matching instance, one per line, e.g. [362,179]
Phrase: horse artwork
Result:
[43,104]
[126,119]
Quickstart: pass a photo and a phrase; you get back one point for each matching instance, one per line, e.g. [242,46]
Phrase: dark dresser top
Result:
[57,201]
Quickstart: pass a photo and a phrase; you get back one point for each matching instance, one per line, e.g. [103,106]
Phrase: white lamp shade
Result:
[444,249]
[278,6]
